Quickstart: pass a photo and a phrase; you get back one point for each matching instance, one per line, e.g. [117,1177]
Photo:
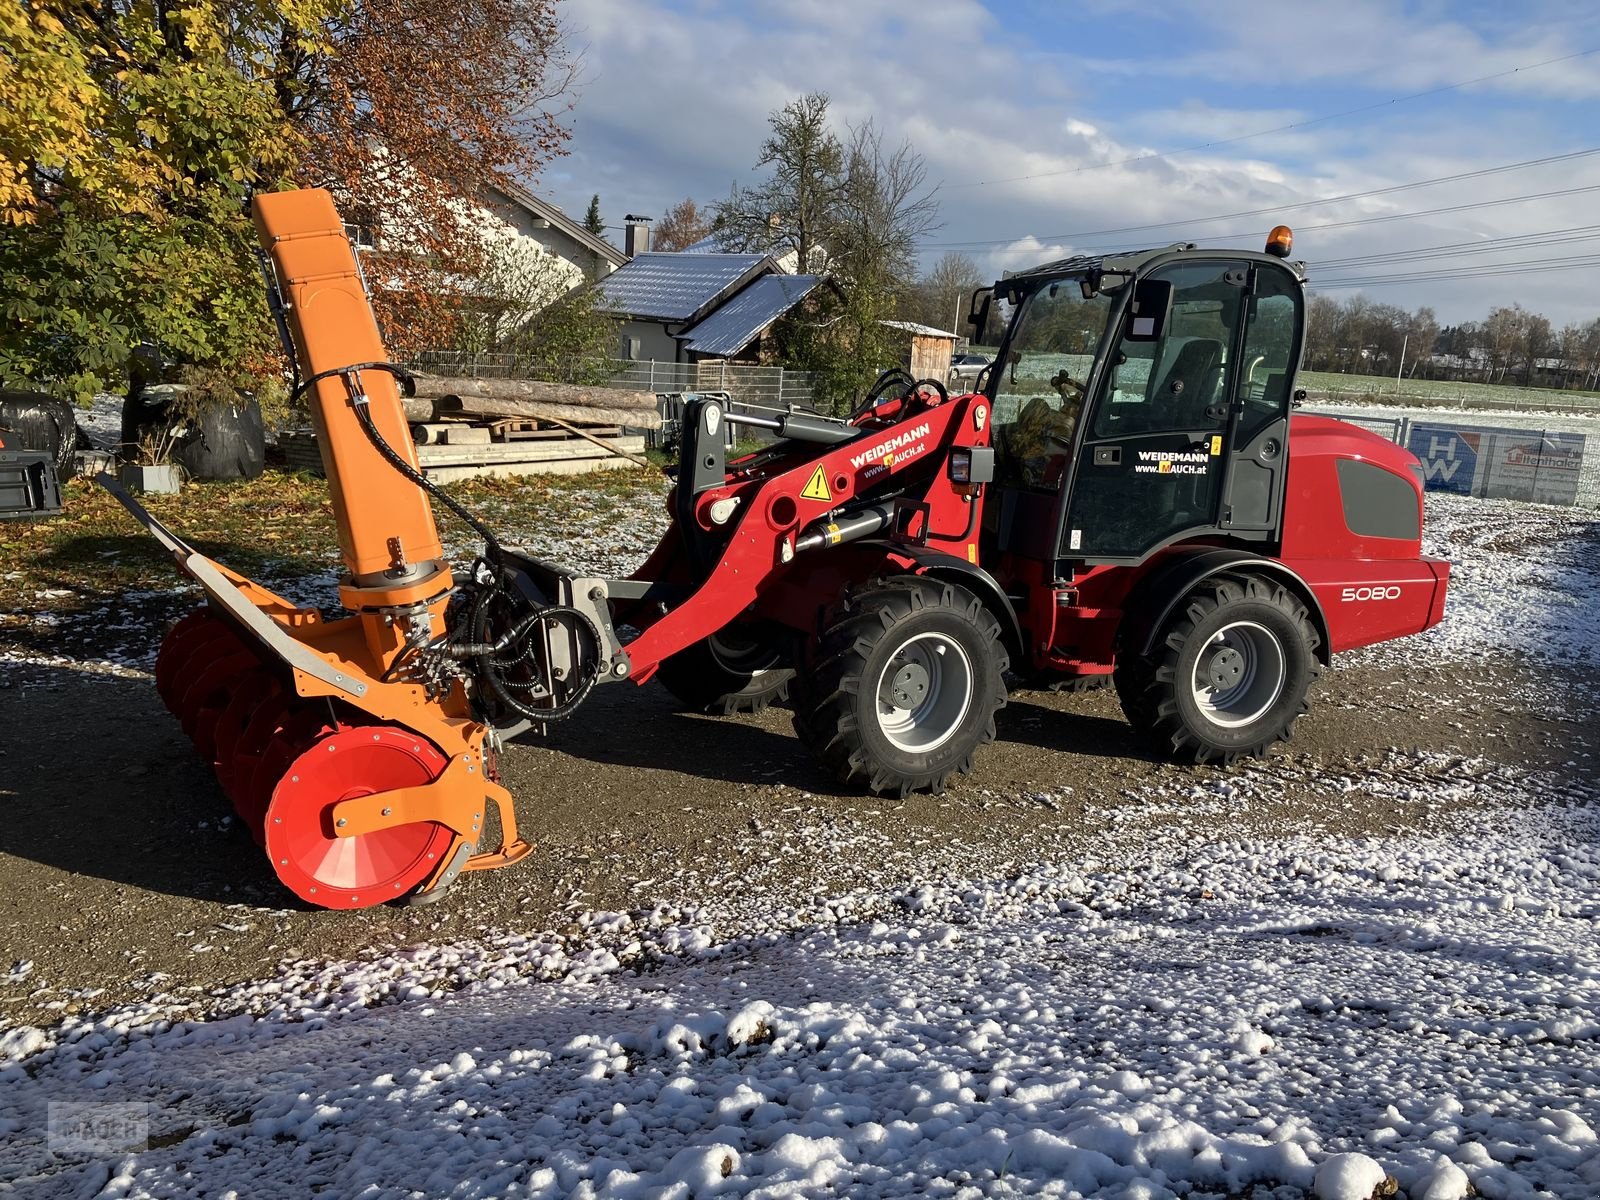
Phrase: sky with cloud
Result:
[1050,128]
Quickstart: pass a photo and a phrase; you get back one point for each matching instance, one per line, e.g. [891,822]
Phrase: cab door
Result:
[1258,458]
[1152,465]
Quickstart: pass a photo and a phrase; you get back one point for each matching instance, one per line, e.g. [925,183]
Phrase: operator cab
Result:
[1141,400]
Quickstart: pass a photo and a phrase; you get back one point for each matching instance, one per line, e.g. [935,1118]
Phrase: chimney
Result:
[636,239]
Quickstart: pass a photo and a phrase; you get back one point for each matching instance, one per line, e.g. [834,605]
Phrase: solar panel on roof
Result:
[672,287]
[736,323]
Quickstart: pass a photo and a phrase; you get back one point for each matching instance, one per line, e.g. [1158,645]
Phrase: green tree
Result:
[850,206]
[132,133]
[591,219]
[798,201]
[130,137]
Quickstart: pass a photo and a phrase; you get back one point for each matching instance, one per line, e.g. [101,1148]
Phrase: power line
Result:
[1523,241]
[1244,137]
[1477,271]
[1277,209]
[1431,212]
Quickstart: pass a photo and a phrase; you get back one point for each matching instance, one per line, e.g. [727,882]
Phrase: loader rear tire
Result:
[739,670]
[905,687]
[1228,675]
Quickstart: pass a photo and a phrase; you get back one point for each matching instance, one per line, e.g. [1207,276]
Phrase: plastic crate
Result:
[28,484]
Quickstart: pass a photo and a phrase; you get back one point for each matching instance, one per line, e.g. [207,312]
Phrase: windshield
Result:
[1038,389]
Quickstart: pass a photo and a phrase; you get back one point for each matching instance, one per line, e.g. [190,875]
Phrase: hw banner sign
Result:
[1449,457]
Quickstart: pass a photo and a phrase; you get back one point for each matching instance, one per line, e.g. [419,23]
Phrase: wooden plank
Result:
[505,452]
[565,466]
[544,410]
[534,435]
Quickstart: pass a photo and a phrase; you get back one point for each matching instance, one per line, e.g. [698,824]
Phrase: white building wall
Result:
[651,342]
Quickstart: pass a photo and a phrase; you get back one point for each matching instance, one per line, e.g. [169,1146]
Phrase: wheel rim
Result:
[1238,674]
[924,692]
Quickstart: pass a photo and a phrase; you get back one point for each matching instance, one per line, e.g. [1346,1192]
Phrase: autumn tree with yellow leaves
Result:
[132,133]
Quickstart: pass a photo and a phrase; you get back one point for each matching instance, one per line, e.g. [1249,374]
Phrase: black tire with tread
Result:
[1153,698]
[876,619]
[698,678]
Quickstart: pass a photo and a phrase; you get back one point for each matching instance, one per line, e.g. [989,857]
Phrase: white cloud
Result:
[676,102]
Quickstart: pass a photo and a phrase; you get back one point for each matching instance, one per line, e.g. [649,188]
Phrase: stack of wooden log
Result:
[465,427]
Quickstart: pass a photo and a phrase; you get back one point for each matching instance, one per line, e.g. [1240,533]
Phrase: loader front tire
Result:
[1228,674]
[905,687]
[740,669]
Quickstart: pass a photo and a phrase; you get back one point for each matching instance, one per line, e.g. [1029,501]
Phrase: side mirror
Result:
[978,312]
[1152,305]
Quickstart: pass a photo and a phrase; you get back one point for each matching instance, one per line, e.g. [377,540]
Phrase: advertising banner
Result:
[1543,467]
[1510,464]
[1449,457]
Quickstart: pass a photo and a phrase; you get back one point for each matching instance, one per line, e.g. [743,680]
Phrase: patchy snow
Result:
[1305,1016]
[1524,581]
[1197,1014]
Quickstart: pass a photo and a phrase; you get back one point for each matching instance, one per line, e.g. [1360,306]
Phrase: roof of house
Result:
[738,322]
[919,330]
[710,244]
[518,194]
[678,287]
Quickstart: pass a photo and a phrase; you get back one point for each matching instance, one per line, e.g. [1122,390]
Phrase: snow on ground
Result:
[1524,581]
[1303,1016]
[1190,1016]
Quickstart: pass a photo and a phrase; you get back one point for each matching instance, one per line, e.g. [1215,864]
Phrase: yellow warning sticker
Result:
[817,488]
[1216,444]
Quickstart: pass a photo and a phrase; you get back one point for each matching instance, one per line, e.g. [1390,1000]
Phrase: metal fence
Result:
[771,387]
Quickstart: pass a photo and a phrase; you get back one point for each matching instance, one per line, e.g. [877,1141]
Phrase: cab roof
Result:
[1132,261]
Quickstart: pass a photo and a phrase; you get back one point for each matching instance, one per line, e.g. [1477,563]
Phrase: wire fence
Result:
[768,387]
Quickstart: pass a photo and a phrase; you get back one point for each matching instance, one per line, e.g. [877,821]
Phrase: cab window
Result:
[1039,387]
[1177,382]
[1269,342]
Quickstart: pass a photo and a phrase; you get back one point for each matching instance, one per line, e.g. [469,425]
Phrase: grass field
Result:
[1431,392]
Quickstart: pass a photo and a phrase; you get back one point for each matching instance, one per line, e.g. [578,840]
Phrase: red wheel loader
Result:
[1127,498]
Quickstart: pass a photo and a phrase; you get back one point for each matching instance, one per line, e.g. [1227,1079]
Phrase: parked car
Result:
[965,368]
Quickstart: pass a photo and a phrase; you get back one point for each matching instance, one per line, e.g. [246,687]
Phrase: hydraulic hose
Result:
[362,407]
[482,653]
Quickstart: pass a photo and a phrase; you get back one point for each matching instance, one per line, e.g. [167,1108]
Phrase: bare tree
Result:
[854,208]
[940,297]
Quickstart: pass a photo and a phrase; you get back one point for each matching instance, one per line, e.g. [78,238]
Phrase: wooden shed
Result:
[924,350]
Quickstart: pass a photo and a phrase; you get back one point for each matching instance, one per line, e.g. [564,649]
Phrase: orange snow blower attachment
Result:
[364,777]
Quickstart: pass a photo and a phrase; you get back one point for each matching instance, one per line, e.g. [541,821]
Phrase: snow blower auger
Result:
[356,762]
[1129,496]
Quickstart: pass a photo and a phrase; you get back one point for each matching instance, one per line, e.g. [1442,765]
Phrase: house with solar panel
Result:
[694,305]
